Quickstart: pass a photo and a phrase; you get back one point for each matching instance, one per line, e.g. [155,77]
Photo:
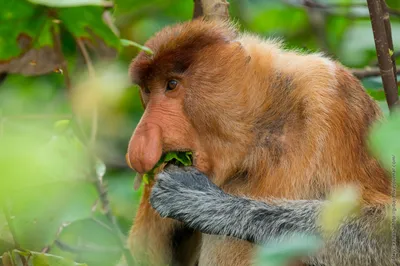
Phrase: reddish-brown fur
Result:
[263,122]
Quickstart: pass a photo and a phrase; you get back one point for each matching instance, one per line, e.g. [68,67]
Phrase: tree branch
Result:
[388,28]
[381,38]
[197,9]
[215,9]
[368,72]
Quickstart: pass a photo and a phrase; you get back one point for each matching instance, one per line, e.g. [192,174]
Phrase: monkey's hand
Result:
[184,194]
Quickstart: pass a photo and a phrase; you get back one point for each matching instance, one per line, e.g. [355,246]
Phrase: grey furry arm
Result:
[188,196]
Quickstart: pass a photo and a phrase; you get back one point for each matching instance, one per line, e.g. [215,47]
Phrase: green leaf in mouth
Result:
[177,158]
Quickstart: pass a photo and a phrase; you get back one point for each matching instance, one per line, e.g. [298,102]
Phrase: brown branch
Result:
[381,39]
[368,72]
[388,28]
[197,9]
[215,9]
[108,20]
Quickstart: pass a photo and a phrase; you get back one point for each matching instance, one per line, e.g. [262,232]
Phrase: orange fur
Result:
[262,121]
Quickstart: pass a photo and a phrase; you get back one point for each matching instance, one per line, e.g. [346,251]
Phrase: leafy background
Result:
[49,173]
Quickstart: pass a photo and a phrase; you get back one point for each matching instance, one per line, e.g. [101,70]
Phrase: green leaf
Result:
[70,3]
[100,169]
[7,259]
[378,95]
[37,225]
[40,260]
[147,50]
[341,203]
[147,177]
[280,252]
[385,145]
[86,23]
[27,46]
[90,233]
[30,29]
[36,259]
[182,158]
[61,126]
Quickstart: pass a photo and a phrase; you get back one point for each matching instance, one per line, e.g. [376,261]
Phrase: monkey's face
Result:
[164,126]
[191,91]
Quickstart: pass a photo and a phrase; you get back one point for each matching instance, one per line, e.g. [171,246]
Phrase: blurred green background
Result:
[45,186]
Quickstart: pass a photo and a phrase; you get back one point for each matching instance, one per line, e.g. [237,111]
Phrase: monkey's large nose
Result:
[145,147]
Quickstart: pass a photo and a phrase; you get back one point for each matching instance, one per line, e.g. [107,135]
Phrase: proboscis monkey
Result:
[262,122]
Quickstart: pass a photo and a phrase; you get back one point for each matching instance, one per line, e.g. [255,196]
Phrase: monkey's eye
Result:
[146,90]
[171,85]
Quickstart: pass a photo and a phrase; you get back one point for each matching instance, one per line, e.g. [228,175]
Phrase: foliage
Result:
[20,258]
[385,145]
[284,251]
[177,158]
[49,192]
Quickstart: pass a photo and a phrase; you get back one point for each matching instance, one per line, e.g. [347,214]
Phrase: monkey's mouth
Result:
[178,158]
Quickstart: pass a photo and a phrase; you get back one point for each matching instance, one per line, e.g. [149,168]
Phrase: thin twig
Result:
[107,211]
[108,19]
[382,48]
[86,57]
[90,67]
[58,50]
[368,72]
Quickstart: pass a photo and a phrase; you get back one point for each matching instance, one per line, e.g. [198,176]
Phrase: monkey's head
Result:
[192,92]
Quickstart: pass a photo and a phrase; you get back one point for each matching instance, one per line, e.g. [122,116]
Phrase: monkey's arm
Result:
[188,196]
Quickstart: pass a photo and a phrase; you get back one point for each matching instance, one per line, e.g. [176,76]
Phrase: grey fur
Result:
[189,196]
